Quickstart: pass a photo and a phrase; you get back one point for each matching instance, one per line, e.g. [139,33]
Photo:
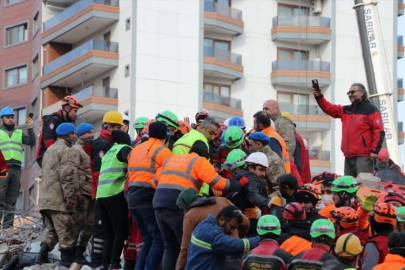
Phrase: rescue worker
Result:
[268,252]
[197,210]
[111,200]
[112,120]
[179,173]
[144,160]
[259,142]
[284,126]
[295,237]
[201,115]
[172,122]
[68,113]
[382,221]
[126,121]
[57,201]
[182,130]
[11,144]
[308,196]
[322,234]
[401,219]
[383,162]
[84,212]
[326,180]
[211,240]
[288,186]
[348,250]
[3,167]
[394,198]
[253,199]
[361,142]
[344,191]
[139,125]
[395,259]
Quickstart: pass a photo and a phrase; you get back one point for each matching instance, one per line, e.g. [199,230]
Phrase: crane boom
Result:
[378,76]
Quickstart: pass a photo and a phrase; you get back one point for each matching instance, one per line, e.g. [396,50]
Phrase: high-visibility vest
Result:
[142,163]
[12,148]
[272,133]
[112,173]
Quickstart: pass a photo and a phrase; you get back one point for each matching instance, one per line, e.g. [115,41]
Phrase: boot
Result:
[66,257]
[79,257]
[129,265]
[42,256]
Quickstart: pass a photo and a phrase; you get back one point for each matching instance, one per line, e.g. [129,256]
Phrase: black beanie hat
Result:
[200,148]
[158,130]
[120,137]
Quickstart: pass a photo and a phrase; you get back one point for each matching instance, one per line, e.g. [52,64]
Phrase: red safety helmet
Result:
[385,213]
[72,102]
[201,115]
[394,196]
[184,127]
[345,216]
[384,155]
[294,211]
[325,176]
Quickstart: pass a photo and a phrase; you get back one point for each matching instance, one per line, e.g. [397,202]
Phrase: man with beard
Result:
[11,145]
[307,195]
[362,129]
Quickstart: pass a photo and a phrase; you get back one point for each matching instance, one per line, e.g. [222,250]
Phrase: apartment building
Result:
[20,55]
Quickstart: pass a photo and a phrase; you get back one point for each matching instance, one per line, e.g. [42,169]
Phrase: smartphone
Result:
[31,115]
[315,85]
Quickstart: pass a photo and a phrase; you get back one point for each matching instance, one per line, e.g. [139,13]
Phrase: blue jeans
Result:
[152,249]
[170,223]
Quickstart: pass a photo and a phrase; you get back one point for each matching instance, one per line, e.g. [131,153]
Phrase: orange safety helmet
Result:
[72,102]
[308,189]
[385,213]
[345,216]
[146,128]
[184,127]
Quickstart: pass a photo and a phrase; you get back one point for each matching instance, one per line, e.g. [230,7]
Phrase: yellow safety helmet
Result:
[348,245]
[287,115]
[113,117]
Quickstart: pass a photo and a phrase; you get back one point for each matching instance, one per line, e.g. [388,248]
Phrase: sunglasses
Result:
[351,92]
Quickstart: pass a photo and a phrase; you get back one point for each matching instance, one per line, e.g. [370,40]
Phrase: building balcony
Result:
[307,117]
[59,3]
[400,92]
[222,107]
[300,73]
[95,101]
[401,47]
[222,64]
[311,30]
[222,19]
[319,161]
[401,7]
[401,133]
[82,63]
[80,20]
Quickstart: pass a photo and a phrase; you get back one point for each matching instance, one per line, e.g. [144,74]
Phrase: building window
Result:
[217,49]
[16,34]
[128,24]
[20,115]
[293,103]
[292,11]
[218,94]
[36,25]
[15,76]
[291,54]
[35,67]
[35,107]
[12,2]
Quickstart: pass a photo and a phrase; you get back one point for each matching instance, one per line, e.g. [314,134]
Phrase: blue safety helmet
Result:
[7,111]
[237,122]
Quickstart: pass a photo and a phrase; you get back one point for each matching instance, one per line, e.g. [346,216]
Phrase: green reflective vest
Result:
[12,148]
[112,173]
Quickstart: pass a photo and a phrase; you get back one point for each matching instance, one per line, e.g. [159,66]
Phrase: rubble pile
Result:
[45,266]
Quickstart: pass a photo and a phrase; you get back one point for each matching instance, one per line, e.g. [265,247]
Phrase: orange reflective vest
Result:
[392,262]
[188,171]
[272,133]
[144,160]
[295,245]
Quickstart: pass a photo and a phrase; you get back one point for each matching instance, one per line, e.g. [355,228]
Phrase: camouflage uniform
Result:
[285,127]
[84,212]
[275,169]
[57,187]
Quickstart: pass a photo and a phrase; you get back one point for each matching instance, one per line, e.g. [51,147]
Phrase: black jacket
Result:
[299,228]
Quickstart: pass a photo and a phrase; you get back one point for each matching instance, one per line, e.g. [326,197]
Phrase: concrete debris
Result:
[45,266]
[86,267]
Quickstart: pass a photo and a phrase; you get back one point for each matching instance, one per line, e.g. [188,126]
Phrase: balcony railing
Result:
[223,55]
[99,45]
[400,126]
[74,9]
[222,100]
[312,65]
[400,40]
[400,83]
[222,9]
[106,92]
[315,154]
[301,109]
[301,21]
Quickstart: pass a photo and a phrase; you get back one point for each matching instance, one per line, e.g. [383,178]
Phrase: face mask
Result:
[327,199]
[88,139]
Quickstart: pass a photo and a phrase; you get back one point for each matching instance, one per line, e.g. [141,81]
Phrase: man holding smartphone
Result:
[362,128]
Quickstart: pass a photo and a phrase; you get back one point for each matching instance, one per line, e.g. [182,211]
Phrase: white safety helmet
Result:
[125,117]
[258,158]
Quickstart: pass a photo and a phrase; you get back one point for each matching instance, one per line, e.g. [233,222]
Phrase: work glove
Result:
[253,213]
[70,202]
[275,201]
[243,181]
[369,202]
[3,174]
[29,122]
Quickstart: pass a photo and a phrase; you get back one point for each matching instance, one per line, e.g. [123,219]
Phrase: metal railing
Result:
[99,45]
[301,109]
[222,9]
[74,9]
[400,83]
[222,100]
[313,65]
[315,154]
[223,55]
[105,92]
[301,21]
[400,40]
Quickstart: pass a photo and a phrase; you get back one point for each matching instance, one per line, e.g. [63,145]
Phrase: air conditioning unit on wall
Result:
[316,6]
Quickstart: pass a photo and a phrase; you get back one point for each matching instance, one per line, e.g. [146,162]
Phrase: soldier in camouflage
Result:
[284,126]
[57,200]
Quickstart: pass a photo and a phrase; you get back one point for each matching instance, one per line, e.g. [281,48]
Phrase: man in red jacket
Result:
[362,129]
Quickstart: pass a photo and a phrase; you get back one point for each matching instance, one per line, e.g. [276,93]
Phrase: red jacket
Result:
[362,127]
[3,163]
[100,146]
[304,156]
